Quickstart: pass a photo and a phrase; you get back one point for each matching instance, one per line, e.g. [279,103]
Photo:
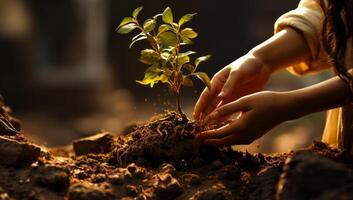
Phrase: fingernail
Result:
[220,95]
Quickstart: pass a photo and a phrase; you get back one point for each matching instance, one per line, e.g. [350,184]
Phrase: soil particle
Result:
[131,190]
[344,193]
[98,178]
[166,186]
[263,184]
[81,191]
[136,172]
[307,174]
[96,144]
[229,172]
[51,176]
[216,164]
[8,124]
[215,192]
[191,179]
[17,153]
[168,168]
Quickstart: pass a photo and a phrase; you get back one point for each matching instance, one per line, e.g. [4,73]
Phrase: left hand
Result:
[259,113]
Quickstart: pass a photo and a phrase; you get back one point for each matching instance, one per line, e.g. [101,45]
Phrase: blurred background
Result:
[67,74]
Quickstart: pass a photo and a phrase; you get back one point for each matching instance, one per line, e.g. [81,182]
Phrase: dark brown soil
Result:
[161,160]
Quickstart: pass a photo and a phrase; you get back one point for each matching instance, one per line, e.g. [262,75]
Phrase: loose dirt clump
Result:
[161,159]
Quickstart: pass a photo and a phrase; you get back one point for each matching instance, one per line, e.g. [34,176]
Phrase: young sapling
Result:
[167,62]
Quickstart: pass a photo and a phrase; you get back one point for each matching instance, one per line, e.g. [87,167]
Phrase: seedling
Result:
[167,63]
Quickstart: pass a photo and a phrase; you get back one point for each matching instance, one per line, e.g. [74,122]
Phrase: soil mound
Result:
[161,160]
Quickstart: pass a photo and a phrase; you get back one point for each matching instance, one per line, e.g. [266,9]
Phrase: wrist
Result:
[292,108]
[260,60]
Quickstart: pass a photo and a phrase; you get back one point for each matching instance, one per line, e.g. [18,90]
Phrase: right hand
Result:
[244,76]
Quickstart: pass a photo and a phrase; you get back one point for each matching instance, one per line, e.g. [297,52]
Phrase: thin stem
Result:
[177,94]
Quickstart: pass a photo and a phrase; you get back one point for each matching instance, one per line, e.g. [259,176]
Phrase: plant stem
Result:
[179,106]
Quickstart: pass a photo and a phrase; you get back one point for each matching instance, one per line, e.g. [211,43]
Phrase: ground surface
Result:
[161,160]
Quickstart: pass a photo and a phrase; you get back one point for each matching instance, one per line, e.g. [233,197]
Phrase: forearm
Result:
[322,96]
[282,50]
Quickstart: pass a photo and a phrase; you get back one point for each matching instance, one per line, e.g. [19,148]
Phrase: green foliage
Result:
[166,60]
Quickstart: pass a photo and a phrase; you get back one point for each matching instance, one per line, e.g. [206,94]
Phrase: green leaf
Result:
[183,60]
[149,56]
[152,76]
[167,39]
[185,40]
[201,59]
[189,33]
[154,69]
[138,35]
[188,68]
[186,54]
[187,82]
[136,12]
[165,56]
[186,18]
[169,49]
[125,29]
[125,21]
[163,28]
[204,78]
[149,25]
[136,40]
[163,78]
[156,16]
[152,79]
[167,16]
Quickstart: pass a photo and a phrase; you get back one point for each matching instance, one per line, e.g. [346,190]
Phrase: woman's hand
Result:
[259,113]
[251,72]
[244,76]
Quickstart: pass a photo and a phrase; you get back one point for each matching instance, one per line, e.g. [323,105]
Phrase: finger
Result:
[226,110]
[212,106]
[221,132]
[220,120]
[201,103]
[228,88]
[204,100]
[234,139]
[207,96]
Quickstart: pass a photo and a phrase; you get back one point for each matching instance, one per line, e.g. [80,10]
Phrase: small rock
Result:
[131,190]
[96,144]
[54,177]
[191,179]
[116,179]
[84,192]
[120,177]
[16,153]
[99,178]
[216,164]
[137,172]
[306,175]
[216,192]
[80,174]
[168,168]
[263,184]
[343,193]
[229,172]
[166,186]
[197,162]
